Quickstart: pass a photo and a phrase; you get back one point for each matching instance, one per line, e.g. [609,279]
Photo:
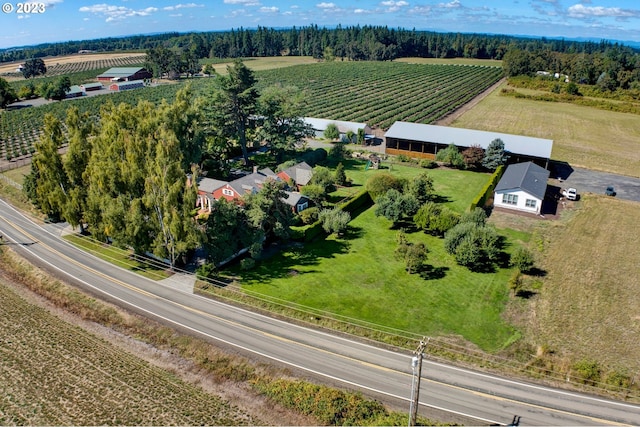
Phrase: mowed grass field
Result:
[55,373]
[589,303]
[358,277]
[583,136]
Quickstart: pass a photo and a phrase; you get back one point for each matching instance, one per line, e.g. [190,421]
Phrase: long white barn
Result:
[424,141]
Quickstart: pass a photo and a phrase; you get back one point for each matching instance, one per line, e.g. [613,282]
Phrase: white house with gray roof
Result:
[424,141]
[522,187]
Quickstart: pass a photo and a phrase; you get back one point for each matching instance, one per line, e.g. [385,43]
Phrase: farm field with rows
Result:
[58,66]
[55,373]
[373,92]
[379,93]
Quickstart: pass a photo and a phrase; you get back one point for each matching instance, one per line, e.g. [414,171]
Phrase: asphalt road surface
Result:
[480,398]
[590,181]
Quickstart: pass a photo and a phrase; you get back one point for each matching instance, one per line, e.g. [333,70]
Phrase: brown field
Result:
[587,305]
[70,59]
[55,373]
[268,63]
[583,136]
[459,61]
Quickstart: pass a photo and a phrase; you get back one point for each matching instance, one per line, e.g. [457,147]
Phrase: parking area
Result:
[590,181]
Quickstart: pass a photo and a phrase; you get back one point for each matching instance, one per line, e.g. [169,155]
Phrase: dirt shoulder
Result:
[238,394]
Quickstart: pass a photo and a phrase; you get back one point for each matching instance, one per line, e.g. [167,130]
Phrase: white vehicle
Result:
[570,193]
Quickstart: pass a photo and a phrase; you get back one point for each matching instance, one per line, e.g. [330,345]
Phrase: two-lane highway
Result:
[375,371]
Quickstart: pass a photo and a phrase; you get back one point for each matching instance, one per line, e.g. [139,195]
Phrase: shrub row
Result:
[487,190]
[328,405]
[602,104]
[356,202]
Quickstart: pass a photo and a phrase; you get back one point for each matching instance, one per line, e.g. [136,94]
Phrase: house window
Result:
[227,192]
[510,199]
[531,203]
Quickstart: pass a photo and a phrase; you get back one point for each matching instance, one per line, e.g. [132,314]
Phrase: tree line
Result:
[124,175]
[349,42]
[615,67]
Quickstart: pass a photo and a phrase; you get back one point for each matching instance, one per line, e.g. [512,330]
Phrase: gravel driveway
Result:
[590,181]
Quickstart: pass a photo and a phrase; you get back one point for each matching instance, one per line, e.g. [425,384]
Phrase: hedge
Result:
[309,232]
[488,188]
[356,202]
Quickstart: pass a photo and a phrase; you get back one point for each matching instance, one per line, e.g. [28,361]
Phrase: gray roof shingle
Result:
[525,176]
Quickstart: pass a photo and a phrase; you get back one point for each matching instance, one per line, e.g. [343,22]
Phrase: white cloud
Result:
[324,5]
[392,3]
[182,6]
[582,11]
[271,9]
[455,4]
[243,2]
[393,6]
[116,13]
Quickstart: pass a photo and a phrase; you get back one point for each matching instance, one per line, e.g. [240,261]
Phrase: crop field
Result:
[379,93]
[57,66]
[20,129]
[54,373]
[371,92]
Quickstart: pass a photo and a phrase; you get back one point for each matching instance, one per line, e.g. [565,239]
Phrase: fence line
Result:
[14,164]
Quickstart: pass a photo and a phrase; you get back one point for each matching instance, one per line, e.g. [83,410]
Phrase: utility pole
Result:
[416,366]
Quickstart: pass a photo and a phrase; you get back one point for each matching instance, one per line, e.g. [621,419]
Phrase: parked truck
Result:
[570,193]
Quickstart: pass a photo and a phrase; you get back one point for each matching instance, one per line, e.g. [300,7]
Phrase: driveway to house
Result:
[586,180]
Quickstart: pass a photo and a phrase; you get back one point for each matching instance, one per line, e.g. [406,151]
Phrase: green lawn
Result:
[357,276]
[454,187]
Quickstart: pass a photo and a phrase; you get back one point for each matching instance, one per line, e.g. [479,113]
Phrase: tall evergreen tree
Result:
[494,155]
[281,108]
[233,103]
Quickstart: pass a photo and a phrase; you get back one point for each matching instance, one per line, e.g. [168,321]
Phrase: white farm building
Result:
[319,126]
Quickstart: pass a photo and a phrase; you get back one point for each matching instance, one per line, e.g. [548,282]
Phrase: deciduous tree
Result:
[334,220]
[33,68]
[267,212]
[331,132]
[51,185]
[396,206]
[79,128]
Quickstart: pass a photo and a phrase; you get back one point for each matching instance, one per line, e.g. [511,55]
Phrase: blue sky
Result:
[76,20]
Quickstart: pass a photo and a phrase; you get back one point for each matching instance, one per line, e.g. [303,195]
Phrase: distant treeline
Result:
[355,43]
[618,67]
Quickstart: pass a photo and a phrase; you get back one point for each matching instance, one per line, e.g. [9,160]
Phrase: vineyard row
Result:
[372,92]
